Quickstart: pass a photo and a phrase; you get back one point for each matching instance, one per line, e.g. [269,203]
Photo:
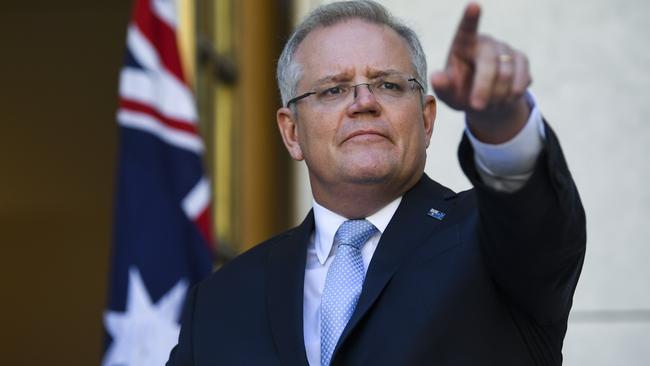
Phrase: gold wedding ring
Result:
[504,57]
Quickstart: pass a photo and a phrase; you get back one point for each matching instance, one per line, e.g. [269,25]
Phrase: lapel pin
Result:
[439,215]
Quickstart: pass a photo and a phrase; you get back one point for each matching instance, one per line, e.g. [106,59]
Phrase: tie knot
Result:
[354,233]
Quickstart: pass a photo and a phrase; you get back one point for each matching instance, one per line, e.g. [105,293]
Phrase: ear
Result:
[289,132]
[429,117]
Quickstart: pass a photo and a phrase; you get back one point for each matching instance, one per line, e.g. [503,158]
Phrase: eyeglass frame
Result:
[354,87]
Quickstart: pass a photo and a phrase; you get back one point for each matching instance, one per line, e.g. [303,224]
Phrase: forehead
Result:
[353,47]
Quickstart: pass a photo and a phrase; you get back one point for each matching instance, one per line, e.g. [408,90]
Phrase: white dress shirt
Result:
[504,167]
[320,255]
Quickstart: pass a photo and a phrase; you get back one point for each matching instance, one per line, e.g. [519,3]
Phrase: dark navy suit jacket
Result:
[489,284]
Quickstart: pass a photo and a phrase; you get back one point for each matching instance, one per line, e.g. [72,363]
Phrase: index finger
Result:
[468,26]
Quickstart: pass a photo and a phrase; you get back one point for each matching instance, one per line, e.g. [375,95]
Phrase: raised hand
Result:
[487,79]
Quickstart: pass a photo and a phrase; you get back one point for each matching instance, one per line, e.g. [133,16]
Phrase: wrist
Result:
[499,124]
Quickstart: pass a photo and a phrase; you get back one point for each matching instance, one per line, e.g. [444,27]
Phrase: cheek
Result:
[321,125]
[412,132]
[415,145]
[314,139]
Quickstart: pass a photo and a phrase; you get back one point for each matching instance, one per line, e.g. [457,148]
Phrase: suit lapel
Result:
[286,272]
[409,228]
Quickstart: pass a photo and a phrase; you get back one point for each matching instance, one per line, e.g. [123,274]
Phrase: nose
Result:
[364,100]
[362,84]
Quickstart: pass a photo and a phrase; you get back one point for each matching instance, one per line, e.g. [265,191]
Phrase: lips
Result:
[369,134]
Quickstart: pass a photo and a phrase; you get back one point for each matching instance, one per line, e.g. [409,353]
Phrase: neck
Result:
[359,200]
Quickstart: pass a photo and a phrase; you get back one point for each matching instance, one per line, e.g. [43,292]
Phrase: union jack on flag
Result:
[161,243]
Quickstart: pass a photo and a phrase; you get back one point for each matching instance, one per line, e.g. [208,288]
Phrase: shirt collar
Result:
[327,222]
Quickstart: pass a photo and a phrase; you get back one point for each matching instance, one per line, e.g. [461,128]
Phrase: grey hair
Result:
[289,71]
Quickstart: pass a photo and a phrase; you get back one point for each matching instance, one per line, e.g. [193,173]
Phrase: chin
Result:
[367,175]
[368,166]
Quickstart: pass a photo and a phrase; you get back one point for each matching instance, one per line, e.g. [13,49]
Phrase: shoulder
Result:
[237,289]
[226,311]
[247,267]
[428,189]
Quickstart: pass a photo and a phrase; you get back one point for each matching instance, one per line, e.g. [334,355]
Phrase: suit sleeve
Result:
[534,238]
[181,354]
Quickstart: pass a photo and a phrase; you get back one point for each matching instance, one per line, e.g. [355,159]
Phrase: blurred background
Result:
[60,65]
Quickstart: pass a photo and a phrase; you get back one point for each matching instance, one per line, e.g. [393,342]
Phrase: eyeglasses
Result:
[387,89]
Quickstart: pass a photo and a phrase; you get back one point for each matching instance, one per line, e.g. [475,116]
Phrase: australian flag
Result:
[162,213]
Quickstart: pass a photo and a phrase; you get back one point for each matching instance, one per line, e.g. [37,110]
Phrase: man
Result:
[391,268]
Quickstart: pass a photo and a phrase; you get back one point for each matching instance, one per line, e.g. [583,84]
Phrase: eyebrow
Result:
[373,74]
[329,78]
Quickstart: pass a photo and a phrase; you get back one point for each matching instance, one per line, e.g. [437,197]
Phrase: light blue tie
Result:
[342,284]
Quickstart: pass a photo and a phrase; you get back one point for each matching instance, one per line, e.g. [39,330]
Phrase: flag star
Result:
[145,332]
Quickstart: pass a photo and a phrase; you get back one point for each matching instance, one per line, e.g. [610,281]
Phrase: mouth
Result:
[365,135]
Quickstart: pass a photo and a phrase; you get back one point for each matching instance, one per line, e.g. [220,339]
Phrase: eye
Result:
[390,85]
[338,89]
[332,91]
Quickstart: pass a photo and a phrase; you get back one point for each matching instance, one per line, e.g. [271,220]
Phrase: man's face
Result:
[365,140]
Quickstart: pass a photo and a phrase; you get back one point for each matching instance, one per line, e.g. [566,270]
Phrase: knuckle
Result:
[518,90]
[505,74]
